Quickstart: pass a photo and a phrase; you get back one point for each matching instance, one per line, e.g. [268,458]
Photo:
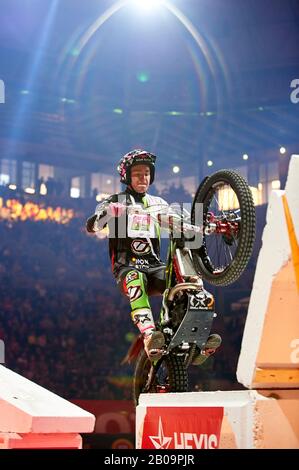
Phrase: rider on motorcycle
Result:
[134,247]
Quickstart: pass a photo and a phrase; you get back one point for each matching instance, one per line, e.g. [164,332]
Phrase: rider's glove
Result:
[116,209]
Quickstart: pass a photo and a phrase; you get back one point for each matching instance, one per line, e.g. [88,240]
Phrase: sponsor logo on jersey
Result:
[140,247]
[141,263]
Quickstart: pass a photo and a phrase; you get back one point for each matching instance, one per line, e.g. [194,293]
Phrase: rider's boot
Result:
[153,345]
[213,343]
[153,340]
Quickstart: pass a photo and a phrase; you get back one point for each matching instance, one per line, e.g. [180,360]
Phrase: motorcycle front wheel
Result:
[168,375]
[228,216]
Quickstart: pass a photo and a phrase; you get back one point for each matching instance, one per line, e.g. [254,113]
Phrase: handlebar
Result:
[226,223]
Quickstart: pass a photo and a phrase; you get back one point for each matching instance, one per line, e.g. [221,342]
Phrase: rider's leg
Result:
[135,286]
[156,285]
[212,344]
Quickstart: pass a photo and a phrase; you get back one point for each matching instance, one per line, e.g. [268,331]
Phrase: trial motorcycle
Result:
[225,239]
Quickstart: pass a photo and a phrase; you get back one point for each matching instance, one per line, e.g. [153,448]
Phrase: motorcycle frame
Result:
[196,325]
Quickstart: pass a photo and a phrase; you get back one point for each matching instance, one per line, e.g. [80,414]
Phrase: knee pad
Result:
[135,286]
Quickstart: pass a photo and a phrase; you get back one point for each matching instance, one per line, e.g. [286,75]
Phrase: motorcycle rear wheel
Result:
[170,376]
[222,258]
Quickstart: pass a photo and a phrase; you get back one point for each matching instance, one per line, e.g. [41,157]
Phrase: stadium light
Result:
[245,156]
[275,184]
[29,190]
[142,77]
[43,189]
[176,169]
[282,150]
[209,163]
[75,192]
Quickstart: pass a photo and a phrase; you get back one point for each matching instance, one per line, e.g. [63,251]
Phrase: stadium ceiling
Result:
[195,80]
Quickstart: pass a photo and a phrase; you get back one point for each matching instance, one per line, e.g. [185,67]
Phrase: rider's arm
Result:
[107,209]
[100,218]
